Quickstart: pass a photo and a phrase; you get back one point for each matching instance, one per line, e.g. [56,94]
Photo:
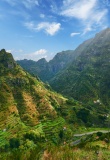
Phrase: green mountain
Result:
[88,78]
[24,97]
[31,115]
[33,118]
[47,70]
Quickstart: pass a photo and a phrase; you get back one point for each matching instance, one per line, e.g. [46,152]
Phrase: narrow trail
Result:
[89,133]
[84,134]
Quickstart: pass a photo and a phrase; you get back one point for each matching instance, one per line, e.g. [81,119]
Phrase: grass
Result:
[47,129]
[67,153]
[3,137]
[48,151]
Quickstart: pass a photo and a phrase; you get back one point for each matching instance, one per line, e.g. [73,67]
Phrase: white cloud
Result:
[74,34]
[79,9]
[42,16]
[49,28]
[88,28]
[54,8]
[98,19]
[20,51]
[40,52]
[11,2]
[30,3]
[14,51]
[88,12]
[30,25]
[27,3]
[9,50]
[21,54]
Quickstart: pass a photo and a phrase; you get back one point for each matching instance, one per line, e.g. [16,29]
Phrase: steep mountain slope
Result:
[31,116]
[47,70]
[24,96]
[87,78]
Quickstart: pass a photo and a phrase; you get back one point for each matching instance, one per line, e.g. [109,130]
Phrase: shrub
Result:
[14,143]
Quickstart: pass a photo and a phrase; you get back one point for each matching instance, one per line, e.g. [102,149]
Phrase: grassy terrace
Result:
[47,128]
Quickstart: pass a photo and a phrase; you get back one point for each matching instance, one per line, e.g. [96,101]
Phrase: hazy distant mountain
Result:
[47,70]
[88,77]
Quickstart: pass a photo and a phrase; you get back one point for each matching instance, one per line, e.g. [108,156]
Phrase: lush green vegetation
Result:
[87,77]
[38,123]
[31,116]
[95,146]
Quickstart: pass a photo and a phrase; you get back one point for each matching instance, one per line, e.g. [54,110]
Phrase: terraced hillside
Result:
[30,114]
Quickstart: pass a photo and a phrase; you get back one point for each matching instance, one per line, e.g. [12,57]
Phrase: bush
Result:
[33,136]
[14,143]
[99,134]
[70,101]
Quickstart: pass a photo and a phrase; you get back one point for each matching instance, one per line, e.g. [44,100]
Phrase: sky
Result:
[34,29]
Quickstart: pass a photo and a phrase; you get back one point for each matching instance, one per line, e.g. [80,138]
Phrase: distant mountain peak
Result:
[42,60]
[6,59]
[47,70]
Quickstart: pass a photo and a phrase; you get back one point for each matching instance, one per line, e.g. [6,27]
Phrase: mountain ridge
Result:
[47,70]
[86,71]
